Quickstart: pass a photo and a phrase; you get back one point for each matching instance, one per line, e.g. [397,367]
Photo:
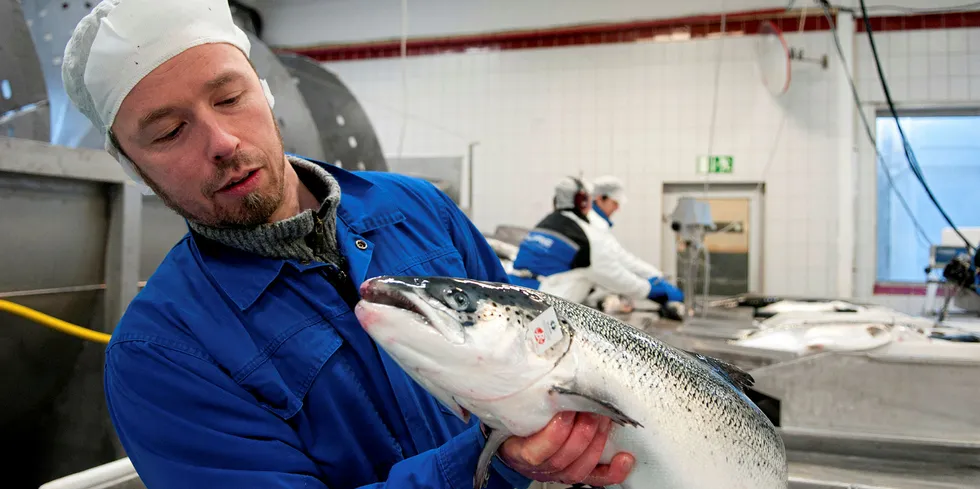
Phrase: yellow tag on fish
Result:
[544,331]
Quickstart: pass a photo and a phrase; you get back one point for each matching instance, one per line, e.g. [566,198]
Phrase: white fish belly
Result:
[686,465]
[695,434]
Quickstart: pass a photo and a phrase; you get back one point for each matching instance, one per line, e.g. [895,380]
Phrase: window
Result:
[948,151]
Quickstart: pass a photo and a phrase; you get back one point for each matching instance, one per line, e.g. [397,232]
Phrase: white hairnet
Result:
[566,189]
[121,41]
[612,187]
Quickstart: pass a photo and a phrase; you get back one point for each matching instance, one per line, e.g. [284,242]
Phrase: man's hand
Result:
[567,450]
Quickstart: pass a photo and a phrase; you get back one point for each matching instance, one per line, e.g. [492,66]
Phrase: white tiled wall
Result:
[639,111]
[940,66]
[924,69]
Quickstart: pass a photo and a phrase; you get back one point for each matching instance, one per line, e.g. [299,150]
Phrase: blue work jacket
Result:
[233,370]
[557,244]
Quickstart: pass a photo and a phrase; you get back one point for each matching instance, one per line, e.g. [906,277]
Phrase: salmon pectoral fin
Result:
[494,440]
[570,400]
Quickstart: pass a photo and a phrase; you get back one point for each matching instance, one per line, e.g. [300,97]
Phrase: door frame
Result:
[754,192]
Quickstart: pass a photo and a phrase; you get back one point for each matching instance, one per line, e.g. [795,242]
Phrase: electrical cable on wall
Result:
[714,106]
[867,127]
[404,63]
[782,123]
[918,10]
[906,146]
[367,101]
[776,140]
[711,142]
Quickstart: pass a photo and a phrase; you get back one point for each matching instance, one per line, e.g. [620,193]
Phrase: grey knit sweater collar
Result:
[307,236]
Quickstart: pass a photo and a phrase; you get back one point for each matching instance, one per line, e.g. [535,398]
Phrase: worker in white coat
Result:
[609,194]
[566,256]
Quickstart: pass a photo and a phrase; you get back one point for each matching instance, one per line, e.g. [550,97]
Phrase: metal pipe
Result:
[693,253]
[707,280]
[10,115]
[57,290]
[469,179]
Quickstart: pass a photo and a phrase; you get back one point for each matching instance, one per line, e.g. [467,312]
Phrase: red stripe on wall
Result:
[741,23]
[952,20]
[900,289]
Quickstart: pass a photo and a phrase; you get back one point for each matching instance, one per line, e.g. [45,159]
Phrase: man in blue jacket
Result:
[567,256]
[241,363]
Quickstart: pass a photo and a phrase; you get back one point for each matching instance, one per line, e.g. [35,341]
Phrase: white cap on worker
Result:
[121,41]
[611,187]
[566,189]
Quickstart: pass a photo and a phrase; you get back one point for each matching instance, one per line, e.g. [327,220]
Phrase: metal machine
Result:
[691,220]
[79,238]
[23,99]
[953,269]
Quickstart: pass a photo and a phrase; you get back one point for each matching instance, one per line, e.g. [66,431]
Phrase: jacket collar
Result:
[598,211]
[245,276]
[573,211]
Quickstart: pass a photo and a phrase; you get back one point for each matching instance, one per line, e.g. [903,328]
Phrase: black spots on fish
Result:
[507,309]
[467,320]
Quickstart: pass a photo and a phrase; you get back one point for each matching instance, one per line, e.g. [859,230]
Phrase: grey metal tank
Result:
[58,227]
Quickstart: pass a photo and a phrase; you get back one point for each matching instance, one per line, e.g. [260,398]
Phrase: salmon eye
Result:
[458,300]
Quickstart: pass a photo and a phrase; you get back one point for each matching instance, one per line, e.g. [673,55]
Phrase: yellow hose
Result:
[54,323]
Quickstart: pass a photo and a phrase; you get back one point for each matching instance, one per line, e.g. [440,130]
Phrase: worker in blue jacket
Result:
[241,363]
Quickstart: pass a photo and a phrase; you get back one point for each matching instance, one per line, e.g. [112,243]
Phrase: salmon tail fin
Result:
[738,377]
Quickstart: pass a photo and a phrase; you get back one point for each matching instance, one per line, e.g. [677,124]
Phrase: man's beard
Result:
[254,209]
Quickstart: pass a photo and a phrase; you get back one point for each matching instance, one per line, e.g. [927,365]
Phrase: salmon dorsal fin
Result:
[738,377]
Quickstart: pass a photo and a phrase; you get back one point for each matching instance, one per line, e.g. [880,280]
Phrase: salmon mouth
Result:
[385,293]
[411,294]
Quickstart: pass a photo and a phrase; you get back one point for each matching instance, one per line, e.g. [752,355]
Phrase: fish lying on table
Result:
[515,357]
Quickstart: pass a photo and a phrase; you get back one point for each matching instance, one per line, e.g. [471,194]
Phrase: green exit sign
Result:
[716,164]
